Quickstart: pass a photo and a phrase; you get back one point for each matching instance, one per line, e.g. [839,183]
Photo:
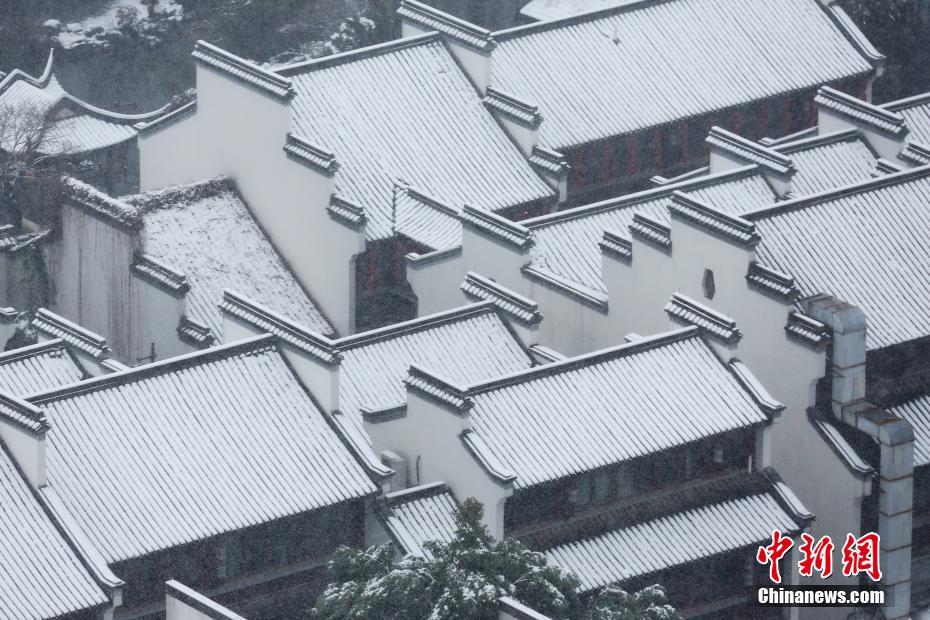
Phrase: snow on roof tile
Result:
[607,407]
[420,514]
[916,113]
[427,221]
[466,345]
[74,125]
[205,232]
[38,367]
[917,412]
[54,326]
[556,9]
[652,546]
[40,574]
[415,118]
[567,241]
[829,161]
[859,111]
[644,64]
[192,447]
[863,243]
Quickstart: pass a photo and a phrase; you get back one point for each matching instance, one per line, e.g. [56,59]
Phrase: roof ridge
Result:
[857,110]
[772,281]
[916,153]
[167,118]
[616,245]
[160,274]
[311,155]
[841,135]
[23,414]
[108,114]
[326,62]
[255,344]
[459,29]
[418,324]
[570,20]
[907,102]
[521,308]
[437,388]
[418,492]
[32,350]
[511,106]
[202,188]
[684,309]
[117,211]
[828,195]
[652,231]
[627,200]
[628,349]
[729,227]
[243,70]
[347,212]
[510,232]
[318,345]
[429,200]
[746,149]
[48,322]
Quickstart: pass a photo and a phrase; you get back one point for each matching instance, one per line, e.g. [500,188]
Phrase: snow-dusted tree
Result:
[614,603]
[28,147]
[463,579]
[353,33]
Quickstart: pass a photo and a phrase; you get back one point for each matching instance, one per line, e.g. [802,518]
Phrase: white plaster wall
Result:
[176,609]
[28,451]
[437,284]
[788,370]
[156,315]
[524,137]
[91,277]
[888,148]
[239,131]
[431,433]
[569,326]
[477,65]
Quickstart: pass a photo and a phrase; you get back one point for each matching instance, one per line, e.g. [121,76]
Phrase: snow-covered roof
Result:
[916,113]
[917,412]
[205,232]
[644,548]
[644,64]
[404,112]
[567,241]
[418,515]
[863,243]
[467,344]
[192,447]
[427,221]
[74,125]
[38,367]
[827,161]
[607,407]
[555,9]
[41,576]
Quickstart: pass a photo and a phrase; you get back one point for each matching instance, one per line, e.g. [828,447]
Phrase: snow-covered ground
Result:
[94,29]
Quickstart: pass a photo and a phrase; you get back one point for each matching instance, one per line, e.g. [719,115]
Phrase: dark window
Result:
[708,284]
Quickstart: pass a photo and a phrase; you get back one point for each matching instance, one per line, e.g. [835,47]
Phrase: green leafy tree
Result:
[464,578]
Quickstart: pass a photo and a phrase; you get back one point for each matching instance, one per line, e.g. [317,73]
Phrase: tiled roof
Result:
[205,232]
[652,546]
[38,367]
[54,326]
[607,407]
[418,515]
[74,125]
[862,112]
[465,345]
[644,64]
[917,412]
[829,161]
[556,9]
[414,118]
[864,244]
[193,447]
[426,220]
[567,241]
[40,574]
[916,113]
